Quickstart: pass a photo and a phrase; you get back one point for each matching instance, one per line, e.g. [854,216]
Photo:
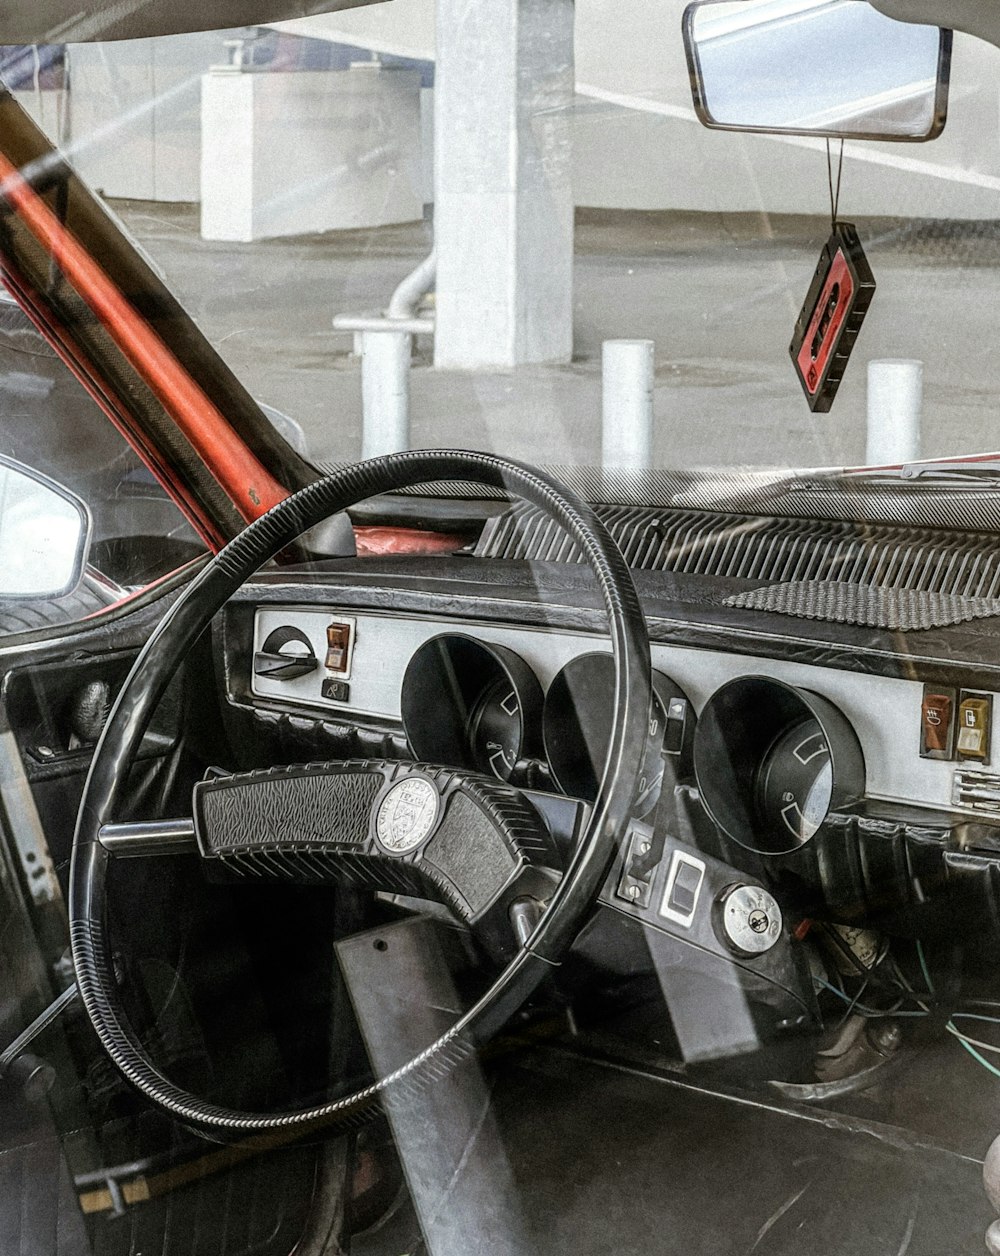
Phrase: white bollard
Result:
[385,392]
[627,404]
[895,399]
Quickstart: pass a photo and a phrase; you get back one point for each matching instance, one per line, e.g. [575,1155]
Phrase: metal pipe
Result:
[405,301]
[361,323]
[385,342]
[627,404]
[895,400]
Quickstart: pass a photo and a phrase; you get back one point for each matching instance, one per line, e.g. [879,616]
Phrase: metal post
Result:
[895,399]
[627,404]
[384,343]
[385,392]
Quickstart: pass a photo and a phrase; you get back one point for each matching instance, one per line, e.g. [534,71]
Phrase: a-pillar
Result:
[503,209]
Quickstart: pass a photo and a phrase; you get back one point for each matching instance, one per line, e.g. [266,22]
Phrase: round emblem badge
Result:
[406,815]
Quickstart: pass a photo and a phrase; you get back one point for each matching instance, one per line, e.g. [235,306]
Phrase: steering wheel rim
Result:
[163,654]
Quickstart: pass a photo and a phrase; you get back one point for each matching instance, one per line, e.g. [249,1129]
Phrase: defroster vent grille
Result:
[774,550]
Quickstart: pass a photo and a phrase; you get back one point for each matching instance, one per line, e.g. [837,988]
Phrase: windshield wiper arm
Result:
[985,469]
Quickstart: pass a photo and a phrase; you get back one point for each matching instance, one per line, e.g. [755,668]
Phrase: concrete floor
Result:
[719,296]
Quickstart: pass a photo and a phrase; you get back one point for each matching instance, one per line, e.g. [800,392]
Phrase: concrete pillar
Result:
[503,217]
[300,152]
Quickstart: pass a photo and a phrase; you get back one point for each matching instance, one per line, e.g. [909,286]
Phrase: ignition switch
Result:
[748,919]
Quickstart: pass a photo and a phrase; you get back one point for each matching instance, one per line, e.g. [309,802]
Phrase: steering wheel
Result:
[474,842]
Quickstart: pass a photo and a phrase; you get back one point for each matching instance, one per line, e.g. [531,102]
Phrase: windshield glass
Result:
[284,181]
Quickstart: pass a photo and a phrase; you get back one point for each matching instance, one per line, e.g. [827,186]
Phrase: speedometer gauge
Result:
[577,728]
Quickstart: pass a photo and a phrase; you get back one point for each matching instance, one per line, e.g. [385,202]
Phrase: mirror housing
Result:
[44,535]
[809,67]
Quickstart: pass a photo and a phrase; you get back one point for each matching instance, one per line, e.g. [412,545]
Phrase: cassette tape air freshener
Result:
[835,306]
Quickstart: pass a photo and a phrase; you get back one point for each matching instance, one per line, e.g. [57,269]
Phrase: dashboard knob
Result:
[748,918]
[286,654]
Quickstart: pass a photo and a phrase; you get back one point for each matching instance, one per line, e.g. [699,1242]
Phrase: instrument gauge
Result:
[470,704]
[795,783]
[577,727]
[772,761]
[496,729]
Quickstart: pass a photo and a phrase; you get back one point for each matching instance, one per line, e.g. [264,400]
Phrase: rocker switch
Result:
[339,648]
[684,881]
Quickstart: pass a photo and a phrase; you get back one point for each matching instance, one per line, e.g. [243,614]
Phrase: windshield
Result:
[284,181]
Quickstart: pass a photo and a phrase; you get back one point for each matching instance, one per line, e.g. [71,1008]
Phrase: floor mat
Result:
[605,1162]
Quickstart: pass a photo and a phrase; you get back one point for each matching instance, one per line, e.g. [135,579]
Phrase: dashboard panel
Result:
[887,713]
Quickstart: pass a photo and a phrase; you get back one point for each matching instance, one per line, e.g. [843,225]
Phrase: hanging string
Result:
[834,196]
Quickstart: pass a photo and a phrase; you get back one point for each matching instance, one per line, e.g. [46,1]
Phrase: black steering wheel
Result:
[472,841]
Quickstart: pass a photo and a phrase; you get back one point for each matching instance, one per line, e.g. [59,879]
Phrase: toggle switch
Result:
[340,647]
[642,856]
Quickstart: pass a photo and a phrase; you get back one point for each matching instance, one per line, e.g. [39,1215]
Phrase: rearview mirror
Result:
[44,535]
[837,68]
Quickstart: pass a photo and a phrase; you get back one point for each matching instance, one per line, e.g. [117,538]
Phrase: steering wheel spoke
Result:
[140,838]
[469,841]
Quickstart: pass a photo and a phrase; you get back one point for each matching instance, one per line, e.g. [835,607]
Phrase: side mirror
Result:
[835,68]
[44,535]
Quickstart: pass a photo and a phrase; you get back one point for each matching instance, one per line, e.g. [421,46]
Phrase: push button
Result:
[974,712]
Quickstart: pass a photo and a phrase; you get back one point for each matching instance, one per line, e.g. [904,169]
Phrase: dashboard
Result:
[908,732]
[793,771]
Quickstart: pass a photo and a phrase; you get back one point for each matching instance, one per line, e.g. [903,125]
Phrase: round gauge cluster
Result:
[470,704]
[772,761]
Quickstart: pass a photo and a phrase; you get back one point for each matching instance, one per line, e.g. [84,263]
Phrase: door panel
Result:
[205,970]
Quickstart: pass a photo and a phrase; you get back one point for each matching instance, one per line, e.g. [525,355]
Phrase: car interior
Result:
[608,863]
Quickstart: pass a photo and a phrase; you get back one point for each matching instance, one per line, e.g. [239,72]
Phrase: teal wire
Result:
[980,1059]
[976,1056]
[860,1007]
[976,1016]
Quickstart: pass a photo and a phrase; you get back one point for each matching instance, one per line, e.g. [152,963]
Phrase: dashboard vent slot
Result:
[765,549]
